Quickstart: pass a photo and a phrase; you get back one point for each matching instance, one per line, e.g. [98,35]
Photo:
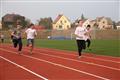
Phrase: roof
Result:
[11,17]
[38,27]
[109,20]
[99,18]
[58,17]
[8,17]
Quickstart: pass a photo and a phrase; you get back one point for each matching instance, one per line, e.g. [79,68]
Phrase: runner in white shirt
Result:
[80,33]
[31,34]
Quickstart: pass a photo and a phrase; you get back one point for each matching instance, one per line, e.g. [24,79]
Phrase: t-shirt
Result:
[31,33]
[80,31]
[16,33]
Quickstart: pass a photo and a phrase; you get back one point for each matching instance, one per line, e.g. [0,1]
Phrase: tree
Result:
[114,25]
[27,22]
[82,17]
[46,22]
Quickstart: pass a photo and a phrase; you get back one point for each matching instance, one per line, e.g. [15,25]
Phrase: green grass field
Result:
[101,47]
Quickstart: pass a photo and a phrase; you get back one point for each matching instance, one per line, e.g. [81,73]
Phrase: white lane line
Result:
[102,59]
[90,74]
[75,52]
[84,56]
[78,61]
[90,63]
[23,68]
[67,67]
[76,55]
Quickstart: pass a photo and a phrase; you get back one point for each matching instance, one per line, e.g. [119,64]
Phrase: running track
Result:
[53,64]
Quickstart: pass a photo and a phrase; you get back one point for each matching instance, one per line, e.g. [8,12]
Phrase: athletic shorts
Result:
[30,41]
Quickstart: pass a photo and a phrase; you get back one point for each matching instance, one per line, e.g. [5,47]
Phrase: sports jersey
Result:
[31,33]
[80,31]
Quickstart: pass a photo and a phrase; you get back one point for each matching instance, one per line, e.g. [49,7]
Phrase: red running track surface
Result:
[57,64]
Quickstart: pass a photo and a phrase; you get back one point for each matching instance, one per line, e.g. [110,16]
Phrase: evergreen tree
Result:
[82,17]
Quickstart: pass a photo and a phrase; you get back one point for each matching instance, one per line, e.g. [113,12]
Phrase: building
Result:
[38,27]
[87,22]
[11,20]
[61,23]
[104,23]
[118,25]
[90,22]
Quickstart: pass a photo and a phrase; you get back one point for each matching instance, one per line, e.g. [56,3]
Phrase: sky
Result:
[36,9]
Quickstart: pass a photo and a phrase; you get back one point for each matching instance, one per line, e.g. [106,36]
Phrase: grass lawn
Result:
[101,47]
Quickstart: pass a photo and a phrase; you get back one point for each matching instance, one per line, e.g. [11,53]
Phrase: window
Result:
[60,26]
[103,22]
[67,26]
[61,21]
[65,21]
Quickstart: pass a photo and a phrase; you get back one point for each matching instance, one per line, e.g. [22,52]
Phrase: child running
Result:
[31,34]
[17,38]
[88,37]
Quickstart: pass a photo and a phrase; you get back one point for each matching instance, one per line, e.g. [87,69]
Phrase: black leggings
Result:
[19,42]
[81,45]
[88,42]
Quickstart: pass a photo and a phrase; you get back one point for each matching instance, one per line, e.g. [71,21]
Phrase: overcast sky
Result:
[36,9]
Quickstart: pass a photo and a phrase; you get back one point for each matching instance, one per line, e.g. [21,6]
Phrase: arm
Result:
[25,33]
[13,35]
[35,33]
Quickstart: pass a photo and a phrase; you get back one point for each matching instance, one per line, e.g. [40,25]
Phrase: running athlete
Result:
[17,38]
[31,34]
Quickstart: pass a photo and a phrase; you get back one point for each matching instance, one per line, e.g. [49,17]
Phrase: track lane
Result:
[96,70]
[74,53]
[85,59]
[48,70]
[9,71]
[85,67]
[102,57]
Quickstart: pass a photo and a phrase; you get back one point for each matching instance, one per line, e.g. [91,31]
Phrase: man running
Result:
[31,34]
[80,33]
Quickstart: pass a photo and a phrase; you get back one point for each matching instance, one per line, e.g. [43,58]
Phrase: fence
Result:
[69,34]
